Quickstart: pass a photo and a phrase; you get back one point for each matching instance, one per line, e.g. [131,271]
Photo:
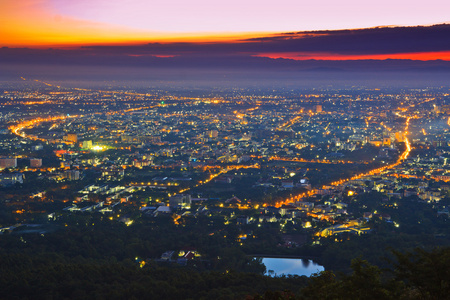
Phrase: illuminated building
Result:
[35,162]
[318,108]
[71,137]
[436,109]
[8,163]
[180,201]
[213,133]
[376,143]
[87,144]
[10,179]
[72,175]
[445,109]
[37,147]
[136,139]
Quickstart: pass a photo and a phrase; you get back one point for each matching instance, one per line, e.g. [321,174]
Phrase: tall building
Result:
[318,108]
[8,163]
[35,162]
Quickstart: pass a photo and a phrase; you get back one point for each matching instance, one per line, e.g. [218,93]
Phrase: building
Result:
[399,136]
[87,145]
[139,139]
[287,184]
[213,133]
[71,137]
[11,178]
[436,109]
[35,162]
[284,209]
[439,143]
[180,200]
[376,143]
[318,108]
[8,163]
[445,109]
[242,220]
[72,175]
[37,147]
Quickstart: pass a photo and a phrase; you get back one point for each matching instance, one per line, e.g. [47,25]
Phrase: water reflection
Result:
[305,262]
[290,266]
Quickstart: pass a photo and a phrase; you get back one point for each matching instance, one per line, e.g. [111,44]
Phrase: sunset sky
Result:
[230,27]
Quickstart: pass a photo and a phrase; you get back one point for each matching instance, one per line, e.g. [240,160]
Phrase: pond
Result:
[290,266]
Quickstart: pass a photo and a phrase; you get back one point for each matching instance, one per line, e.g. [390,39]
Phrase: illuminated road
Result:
[291,122]
[377,171]
[17,129]
[302,160]
[316,161]
[213,176]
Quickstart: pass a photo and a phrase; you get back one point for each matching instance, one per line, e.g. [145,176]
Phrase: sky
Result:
[287,29]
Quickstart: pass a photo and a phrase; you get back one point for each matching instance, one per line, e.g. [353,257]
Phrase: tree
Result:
[427,273]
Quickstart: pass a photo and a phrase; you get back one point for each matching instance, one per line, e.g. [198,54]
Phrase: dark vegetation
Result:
[414,275]
[95,258]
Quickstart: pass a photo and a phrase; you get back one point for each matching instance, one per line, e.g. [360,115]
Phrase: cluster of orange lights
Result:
[176,219]
[318,161]
[320,217]
[377,171]
[213,176]
[17,129]
[291,122]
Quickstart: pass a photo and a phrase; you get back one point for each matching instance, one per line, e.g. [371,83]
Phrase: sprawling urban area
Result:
[207,177]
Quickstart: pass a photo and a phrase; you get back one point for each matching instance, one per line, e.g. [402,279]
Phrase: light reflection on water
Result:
[290,266]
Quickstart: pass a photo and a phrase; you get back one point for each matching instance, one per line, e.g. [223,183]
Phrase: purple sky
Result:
[254,15]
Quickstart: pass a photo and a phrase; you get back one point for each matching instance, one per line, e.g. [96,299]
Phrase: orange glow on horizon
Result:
[39,39]
[442,55]
[30,24]
[98,35]
[39,24]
